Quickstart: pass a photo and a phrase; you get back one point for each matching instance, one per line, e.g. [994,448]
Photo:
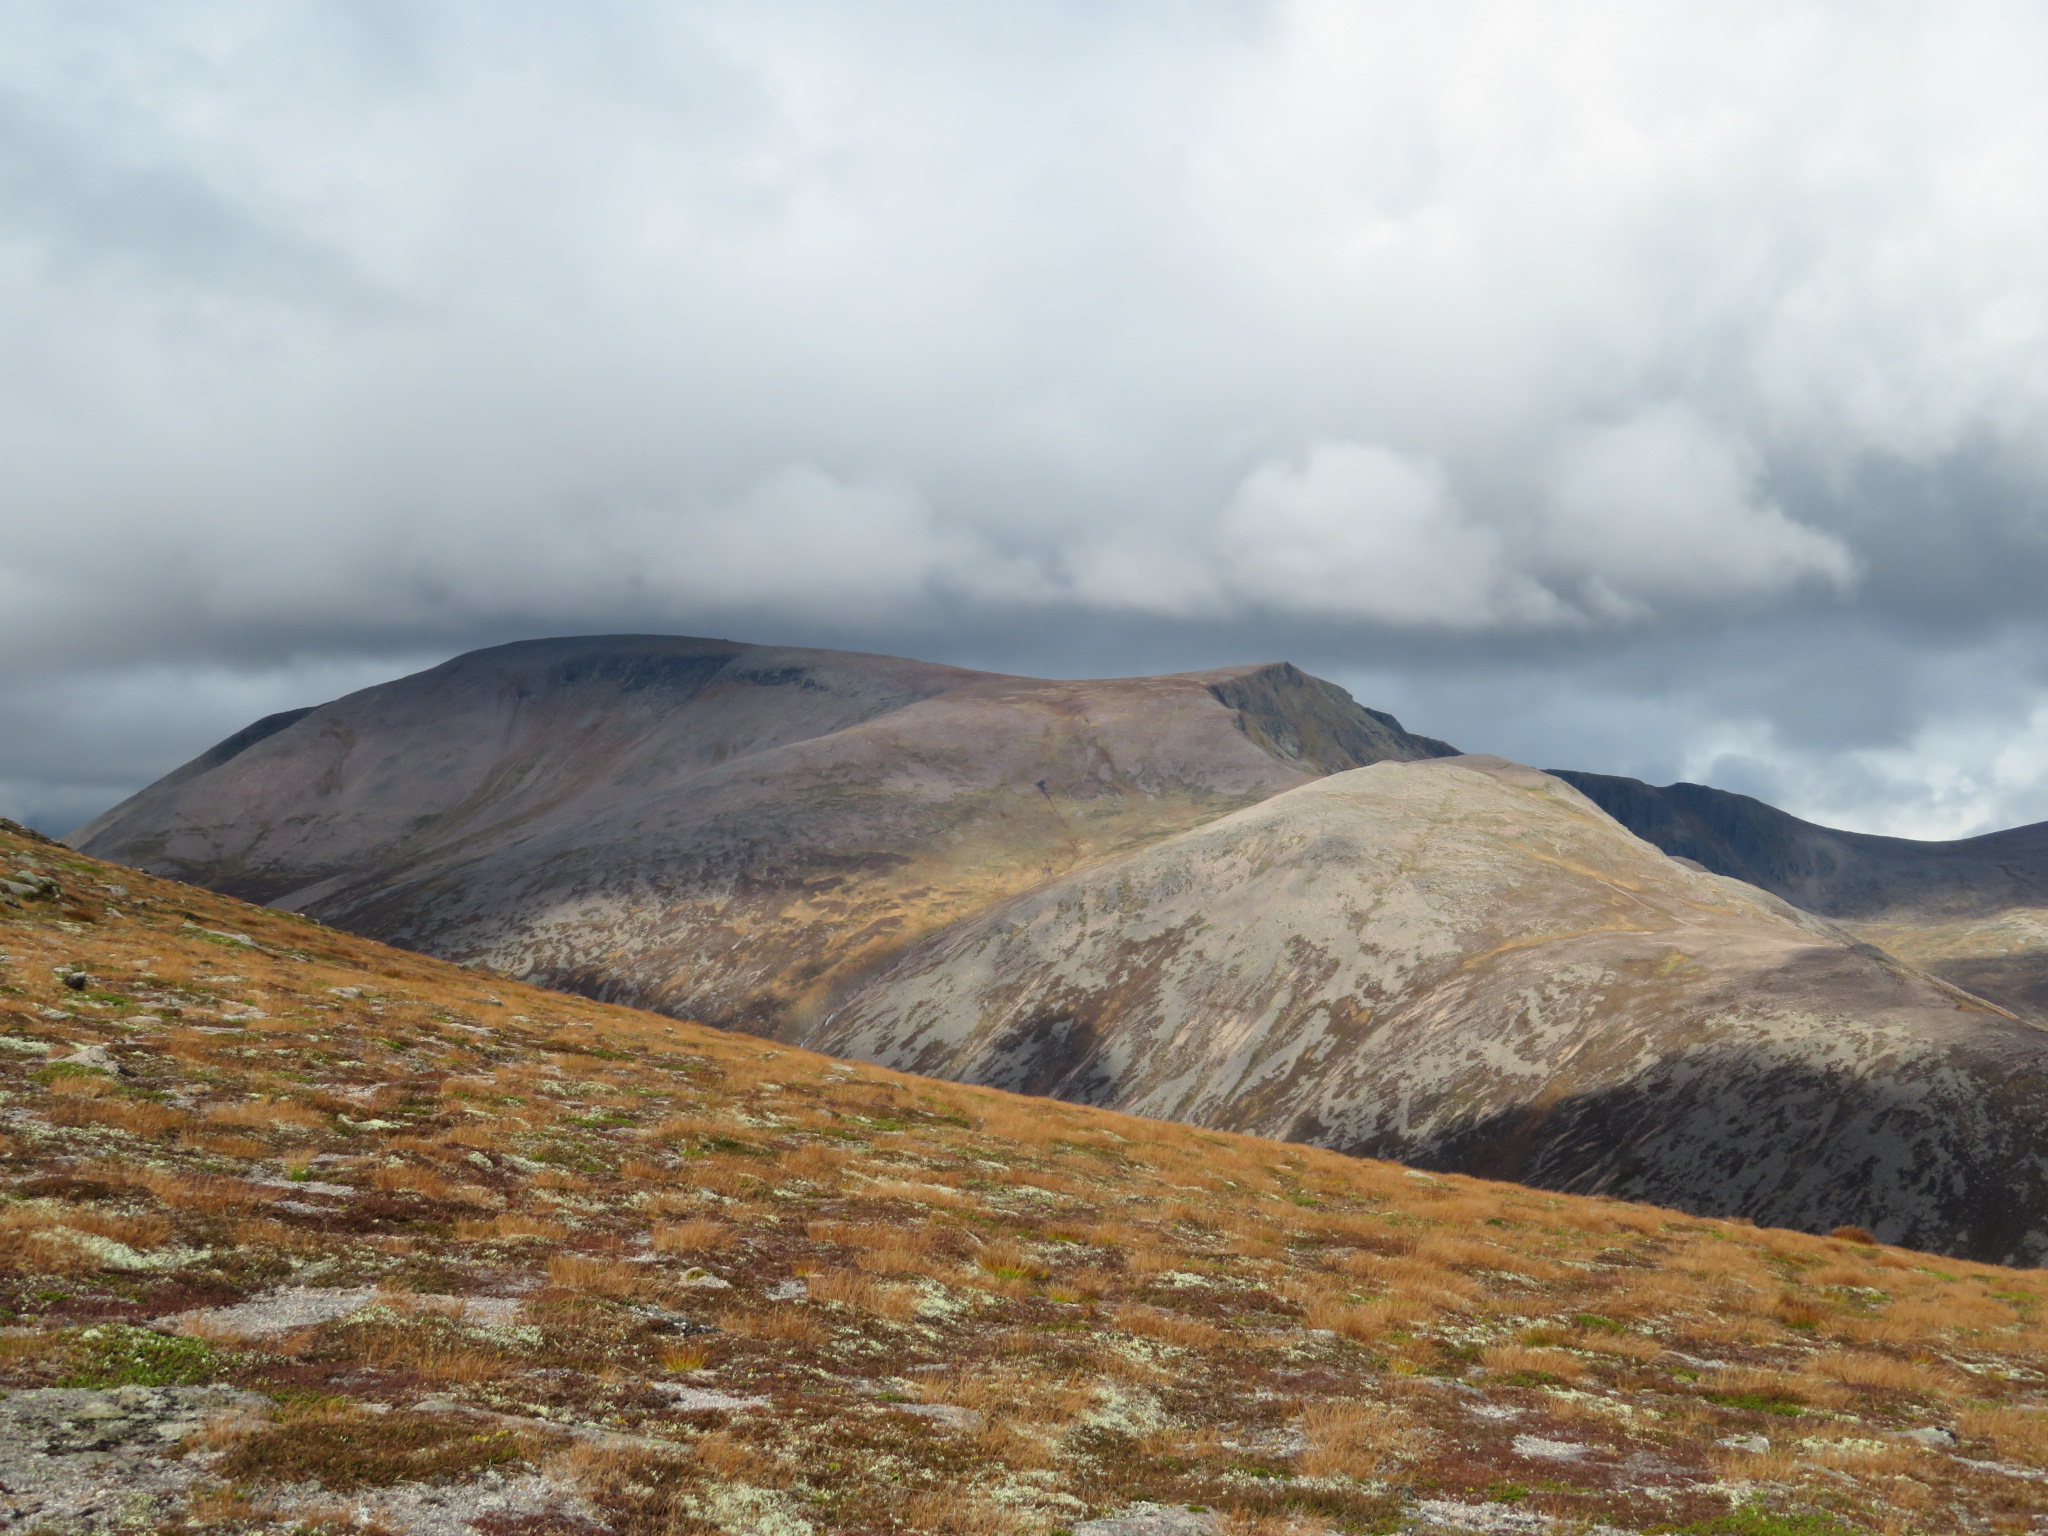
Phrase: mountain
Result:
[1235,898]
[300,1233]
[1465,964]
[722,831]
[1974,911]
[1836,874]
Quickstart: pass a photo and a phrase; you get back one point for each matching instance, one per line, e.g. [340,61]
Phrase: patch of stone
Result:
[944,1413]
[95,1057]
[442,1509]
[1151,1520]
[1495,1520]
[275,1312]
[110,1254]
[1932,1436]
[688,1399]
[78,1460]
[1284,1442]
[2032,1474]
[491,1311]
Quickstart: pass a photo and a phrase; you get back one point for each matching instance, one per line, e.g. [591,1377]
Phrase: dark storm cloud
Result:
[1654,388]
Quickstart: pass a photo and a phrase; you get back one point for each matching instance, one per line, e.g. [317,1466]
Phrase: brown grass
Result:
[1169,1327]
[815,1162]
[1354,1439]
[596,1277]
[698,1236]
[2015,1434]
[1514,1359]
[953,1512]
[138,1117]
[511,1226]
[784,1325]
[1881,1373]
[1407,1273]
[266,1115]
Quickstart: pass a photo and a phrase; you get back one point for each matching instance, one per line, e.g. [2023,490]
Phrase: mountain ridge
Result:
[713,828]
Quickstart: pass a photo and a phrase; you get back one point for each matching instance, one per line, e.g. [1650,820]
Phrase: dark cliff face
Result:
[1836,874]
[721,830]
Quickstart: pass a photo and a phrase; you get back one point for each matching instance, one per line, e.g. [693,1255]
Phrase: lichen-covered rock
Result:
[76,1459]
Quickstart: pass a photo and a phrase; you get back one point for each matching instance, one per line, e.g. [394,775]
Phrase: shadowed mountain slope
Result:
[719,830]
[1837,874]
[1973,911]
[1465,963]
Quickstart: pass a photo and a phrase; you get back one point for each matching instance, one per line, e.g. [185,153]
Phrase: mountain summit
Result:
[718,830]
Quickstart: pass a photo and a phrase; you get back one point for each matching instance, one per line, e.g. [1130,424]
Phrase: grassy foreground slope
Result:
[302,1233]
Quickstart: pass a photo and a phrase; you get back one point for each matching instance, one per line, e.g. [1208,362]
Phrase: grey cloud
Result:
[1667,380]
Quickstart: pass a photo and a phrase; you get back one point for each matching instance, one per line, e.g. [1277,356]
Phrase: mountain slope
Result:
[719,830]
[1833,873]
[1464,963]
[1973,912]
[302,1234]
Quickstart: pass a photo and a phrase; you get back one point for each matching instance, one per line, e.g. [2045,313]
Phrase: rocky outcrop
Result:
[719,830]
[1466,964]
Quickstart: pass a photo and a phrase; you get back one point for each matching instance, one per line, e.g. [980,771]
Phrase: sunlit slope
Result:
[326,1235]
[723,831]
[1466,964]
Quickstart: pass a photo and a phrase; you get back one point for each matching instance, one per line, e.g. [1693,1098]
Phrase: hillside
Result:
[306,1234]
[1973,911]
[721,831]
[1463,963]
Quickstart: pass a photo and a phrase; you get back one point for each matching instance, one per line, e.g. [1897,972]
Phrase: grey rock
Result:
[1151,1520]
[80,1460]
[688,1399]
[1932,1436]
[943,1413]
[279,1311]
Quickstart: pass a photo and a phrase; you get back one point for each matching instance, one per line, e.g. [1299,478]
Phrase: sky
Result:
[1641,387]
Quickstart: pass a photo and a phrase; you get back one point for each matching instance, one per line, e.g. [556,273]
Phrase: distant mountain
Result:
[1233,897]
[1465,964]
[723,831]
[1974,911]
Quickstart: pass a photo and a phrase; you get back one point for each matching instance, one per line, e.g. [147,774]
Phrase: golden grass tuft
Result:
[1356,1439]
[1169,1327]
[701,1235]
[261,1114]
[596,1277]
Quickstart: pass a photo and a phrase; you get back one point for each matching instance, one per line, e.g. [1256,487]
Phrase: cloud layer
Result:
[1675,370]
